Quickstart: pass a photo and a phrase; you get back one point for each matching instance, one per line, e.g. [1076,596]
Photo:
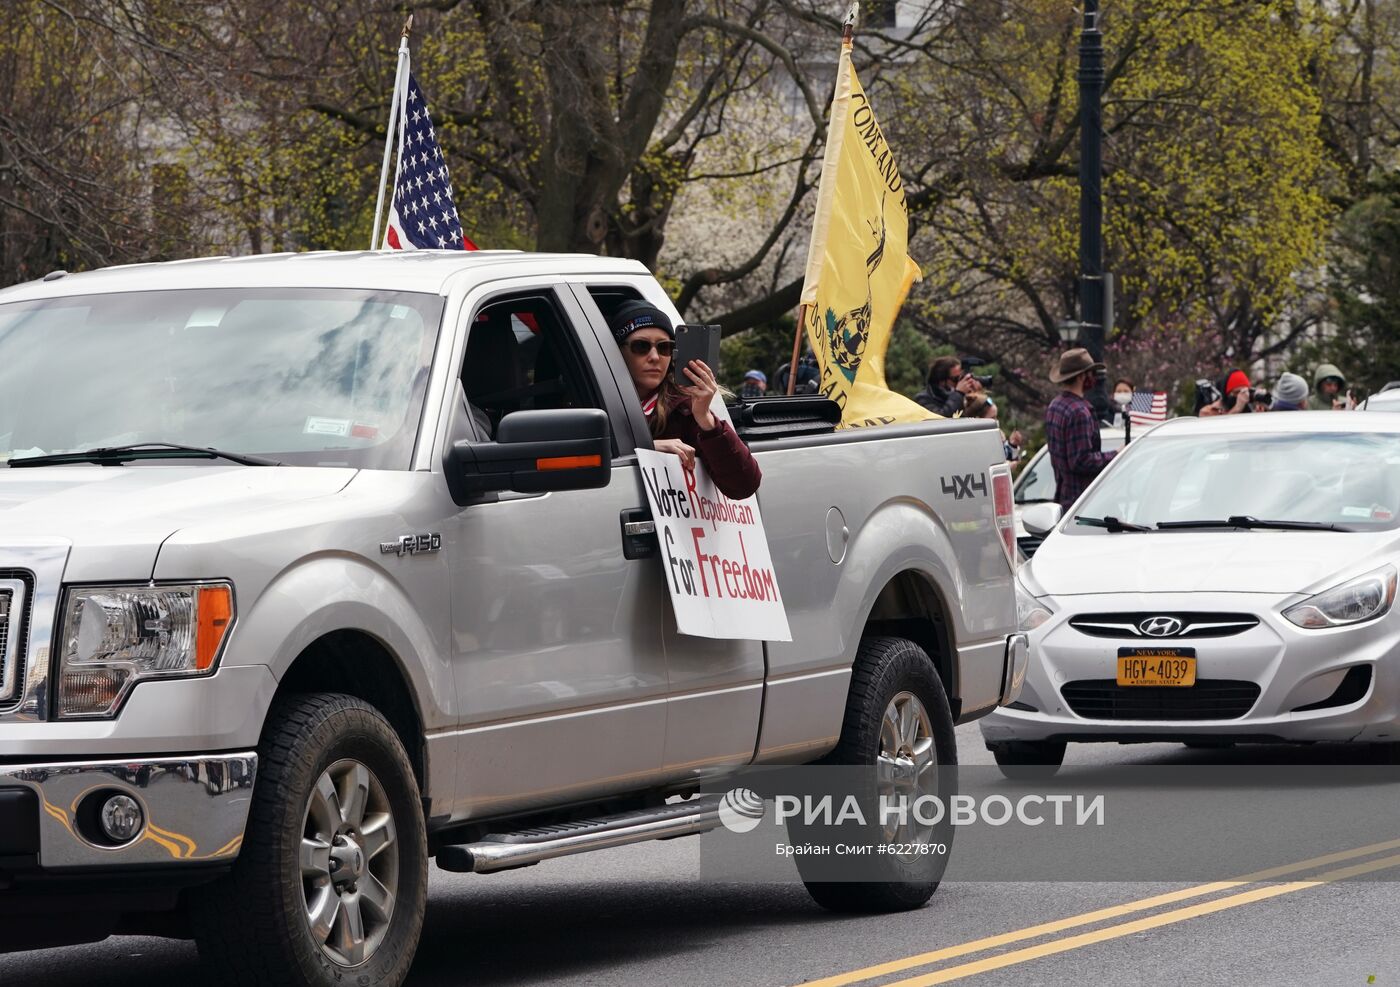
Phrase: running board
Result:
[502,851]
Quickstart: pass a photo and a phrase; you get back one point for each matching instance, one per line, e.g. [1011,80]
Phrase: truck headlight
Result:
[115,636]
[1362,598]
[1030,612]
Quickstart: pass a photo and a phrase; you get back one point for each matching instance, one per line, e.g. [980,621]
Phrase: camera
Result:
[1260,395]
[969,362]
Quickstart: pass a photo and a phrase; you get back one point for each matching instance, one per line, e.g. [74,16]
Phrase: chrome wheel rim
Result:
[349,863]
[907,766]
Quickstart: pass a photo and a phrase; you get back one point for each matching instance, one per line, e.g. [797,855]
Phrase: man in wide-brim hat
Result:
[1071,429]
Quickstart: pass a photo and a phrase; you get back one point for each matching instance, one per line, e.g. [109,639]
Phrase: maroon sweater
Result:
[728,460]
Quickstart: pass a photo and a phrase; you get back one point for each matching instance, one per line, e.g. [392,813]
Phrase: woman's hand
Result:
[677,448]
[701,392]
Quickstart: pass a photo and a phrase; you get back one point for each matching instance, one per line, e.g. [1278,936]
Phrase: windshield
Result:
[1037,481]
[1350,479]
[304,376]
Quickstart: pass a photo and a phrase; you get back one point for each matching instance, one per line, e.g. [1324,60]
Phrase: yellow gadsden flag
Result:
[858,267]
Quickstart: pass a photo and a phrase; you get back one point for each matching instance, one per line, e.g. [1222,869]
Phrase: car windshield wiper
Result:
[116,455]
[1249,523]
[1111,523]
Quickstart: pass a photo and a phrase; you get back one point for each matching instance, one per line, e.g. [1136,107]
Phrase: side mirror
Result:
[535,452]
[1039,519]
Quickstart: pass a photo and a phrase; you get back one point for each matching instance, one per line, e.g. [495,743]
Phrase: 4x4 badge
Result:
[962,485]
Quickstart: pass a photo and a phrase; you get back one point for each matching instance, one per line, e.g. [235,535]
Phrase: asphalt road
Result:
[642,915]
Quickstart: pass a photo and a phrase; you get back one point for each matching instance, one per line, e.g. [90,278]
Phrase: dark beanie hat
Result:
[631,316]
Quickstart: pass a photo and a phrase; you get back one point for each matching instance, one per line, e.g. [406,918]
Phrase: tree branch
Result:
[762,310]
[783,54]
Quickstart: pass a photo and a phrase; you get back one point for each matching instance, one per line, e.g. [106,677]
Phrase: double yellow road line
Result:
[1114,931]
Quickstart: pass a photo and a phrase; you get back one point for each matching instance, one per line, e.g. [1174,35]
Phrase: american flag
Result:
[422,213]
[1148,407]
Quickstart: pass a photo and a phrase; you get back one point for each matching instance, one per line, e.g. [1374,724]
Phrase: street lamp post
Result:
[1091,274]
[1091,78]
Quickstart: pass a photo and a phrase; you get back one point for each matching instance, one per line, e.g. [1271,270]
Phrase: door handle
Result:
[638,534]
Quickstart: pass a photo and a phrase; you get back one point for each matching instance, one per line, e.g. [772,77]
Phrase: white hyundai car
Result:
[1227,579]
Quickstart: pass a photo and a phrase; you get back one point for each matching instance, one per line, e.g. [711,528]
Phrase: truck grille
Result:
[16,600]
[6,669]
[1208,699]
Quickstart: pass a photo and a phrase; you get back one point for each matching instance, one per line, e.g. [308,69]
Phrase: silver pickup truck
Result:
[316,567]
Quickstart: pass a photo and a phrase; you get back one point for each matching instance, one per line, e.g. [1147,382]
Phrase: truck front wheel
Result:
[898,724]
[331,883]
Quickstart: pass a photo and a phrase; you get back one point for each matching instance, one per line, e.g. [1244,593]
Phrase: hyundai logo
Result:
[1160,626]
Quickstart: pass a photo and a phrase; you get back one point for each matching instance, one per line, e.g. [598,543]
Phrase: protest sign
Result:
[714,554]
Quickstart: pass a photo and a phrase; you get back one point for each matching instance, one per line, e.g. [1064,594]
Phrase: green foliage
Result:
[1216,176]
[907,359]
[1366,291]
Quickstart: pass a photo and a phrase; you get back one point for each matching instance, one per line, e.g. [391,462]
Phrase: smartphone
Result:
[694,343]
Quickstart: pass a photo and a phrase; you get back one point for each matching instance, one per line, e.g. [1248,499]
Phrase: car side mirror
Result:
[1039,519]
[535,452]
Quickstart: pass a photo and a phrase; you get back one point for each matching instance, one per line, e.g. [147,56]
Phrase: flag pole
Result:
[848,30]
[394,111]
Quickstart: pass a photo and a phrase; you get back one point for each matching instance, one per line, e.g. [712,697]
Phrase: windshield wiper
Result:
[1250,523]
[1111,523]
[116,455]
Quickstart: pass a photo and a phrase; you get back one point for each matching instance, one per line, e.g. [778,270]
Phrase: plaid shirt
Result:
[1075,446]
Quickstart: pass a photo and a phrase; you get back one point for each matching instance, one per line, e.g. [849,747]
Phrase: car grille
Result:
[1029,543]
[1208,699]
[1194,624]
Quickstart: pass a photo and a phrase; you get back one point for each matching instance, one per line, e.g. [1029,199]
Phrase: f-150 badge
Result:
[413,544]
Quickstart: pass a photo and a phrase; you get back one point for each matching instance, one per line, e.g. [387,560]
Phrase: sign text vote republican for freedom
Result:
[714,553]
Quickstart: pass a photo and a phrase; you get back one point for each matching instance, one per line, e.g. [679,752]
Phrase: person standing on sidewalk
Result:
[1071,430]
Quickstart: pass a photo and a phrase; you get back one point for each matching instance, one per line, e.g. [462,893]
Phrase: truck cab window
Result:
[521,356]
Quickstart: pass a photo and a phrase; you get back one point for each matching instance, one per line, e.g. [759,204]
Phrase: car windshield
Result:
[311,377]
[1347,479]
[1037,481]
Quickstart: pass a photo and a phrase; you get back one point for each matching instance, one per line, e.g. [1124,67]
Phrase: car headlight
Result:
[115,636]
[1030,612]
[1362,598]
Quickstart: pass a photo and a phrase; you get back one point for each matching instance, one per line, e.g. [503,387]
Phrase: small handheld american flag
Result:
[422,213]
[1148,407]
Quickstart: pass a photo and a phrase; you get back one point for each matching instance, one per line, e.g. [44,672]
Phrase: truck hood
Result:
[116,517]
[1204,562]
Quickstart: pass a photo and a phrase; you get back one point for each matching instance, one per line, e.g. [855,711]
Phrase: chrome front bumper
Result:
[195,808]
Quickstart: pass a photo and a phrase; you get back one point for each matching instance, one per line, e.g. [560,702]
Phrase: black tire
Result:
[884,668]
[252,926]
[1029,760]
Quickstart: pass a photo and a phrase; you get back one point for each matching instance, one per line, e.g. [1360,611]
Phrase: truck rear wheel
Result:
[897,721]
[331,883]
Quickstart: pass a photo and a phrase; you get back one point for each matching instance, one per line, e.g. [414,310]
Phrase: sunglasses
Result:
[641,347]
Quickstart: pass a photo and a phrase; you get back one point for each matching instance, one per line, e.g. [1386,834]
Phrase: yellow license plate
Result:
[1157,666]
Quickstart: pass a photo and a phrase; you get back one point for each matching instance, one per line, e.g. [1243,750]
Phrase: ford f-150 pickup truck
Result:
[317,567]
